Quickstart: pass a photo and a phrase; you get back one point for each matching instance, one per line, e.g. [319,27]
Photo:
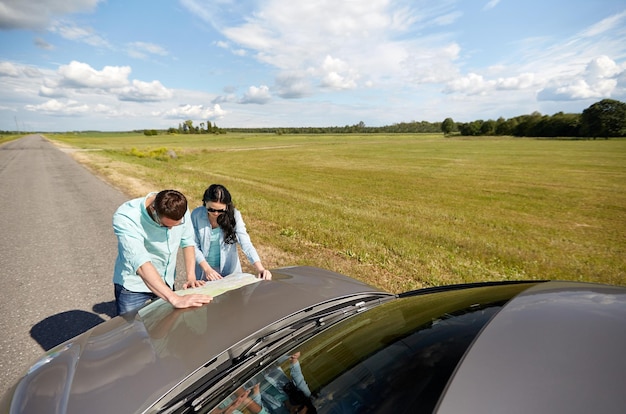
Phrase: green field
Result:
[400,211]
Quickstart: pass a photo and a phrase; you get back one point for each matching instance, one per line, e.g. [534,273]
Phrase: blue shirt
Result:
[140,240]
[229,257]
[213,256]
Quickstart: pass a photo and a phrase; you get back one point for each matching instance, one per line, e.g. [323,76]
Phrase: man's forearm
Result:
[154,282]
[189,255]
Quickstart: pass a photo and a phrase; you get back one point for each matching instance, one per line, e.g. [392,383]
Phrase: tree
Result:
[606,118]
[188,126]
[488,127]
[505,127]
[448,126]
[527,124]
[471,128]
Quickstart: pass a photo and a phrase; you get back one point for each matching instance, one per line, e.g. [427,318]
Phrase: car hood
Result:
[131,361]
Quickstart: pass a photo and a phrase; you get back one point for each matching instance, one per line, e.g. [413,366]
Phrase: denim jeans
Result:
[125,300]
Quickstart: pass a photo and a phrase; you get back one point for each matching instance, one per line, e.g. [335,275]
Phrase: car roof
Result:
[556,347]
[131,361]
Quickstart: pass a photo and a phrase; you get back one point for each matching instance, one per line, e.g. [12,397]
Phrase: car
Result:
[314,341]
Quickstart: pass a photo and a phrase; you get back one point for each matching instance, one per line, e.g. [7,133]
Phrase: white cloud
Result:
[522,81]
[225,45]
[75,109]
[491,4]
[31,72]
[602,67]
[193,112]
[292,84]
[13,70]
[80,34]
[42,44]
[335,43]
[141,91]
[578,89]
[229,97]
[55,107]
[609,24]
[9,69]
[432,65]
[447,19]
[81,75]
[599,79]
[142,50]
[35,14]
[51,92]
[337,74]
[256,95]
[471,84]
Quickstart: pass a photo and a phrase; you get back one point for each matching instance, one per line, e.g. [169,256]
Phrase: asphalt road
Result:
[57,251]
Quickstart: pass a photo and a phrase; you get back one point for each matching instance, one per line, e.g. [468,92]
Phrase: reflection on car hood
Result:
[129,362]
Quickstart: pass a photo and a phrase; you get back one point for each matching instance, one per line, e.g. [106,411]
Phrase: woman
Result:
[218,228]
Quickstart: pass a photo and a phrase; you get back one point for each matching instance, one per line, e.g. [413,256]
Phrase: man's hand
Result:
[190,301]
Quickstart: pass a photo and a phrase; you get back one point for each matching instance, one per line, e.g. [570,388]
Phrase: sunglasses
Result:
[214,210]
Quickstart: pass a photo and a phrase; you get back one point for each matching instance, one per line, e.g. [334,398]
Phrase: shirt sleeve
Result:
[130,238]
[196,223]
[188,238]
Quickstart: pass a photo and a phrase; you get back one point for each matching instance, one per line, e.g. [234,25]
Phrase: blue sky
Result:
[119,65]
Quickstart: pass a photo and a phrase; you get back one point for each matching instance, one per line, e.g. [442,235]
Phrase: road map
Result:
[213,288]
[217,287]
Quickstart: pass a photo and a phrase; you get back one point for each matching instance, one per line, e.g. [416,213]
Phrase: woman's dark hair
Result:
[171,204]
[217,193]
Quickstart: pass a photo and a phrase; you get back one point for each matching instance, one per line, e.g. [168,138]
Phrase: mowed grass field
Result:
[398,211]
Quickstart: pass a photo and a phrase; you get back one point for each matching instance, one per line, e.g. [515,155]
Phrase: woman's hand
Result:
[209,272]
[193,284]
[212,275]
[264,274]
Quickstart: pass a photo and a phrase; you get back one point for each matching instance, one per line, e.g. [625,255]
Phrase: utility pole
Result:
[16,125]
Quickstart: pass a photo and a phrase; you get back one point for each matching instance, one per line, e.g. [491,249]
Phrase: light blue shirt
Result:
[140,240]
[229,257]
[213,257]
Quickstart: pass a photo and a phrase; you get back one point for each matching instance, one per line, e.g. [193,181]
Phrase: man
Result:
[150,230]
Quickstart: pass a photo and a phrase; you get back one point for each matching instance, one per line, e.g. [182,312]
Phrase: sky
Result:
[121,65]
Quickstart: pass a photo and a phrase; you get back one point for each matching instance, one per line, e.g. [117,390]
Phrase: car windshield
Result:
[397,357]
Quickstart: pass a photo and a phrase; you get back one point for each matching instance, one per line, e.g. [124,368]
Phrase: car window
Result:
[397,357]
[278,388]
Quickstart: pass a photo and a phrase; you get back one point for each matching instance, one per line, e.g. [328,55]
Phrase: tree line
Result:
[603,119]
